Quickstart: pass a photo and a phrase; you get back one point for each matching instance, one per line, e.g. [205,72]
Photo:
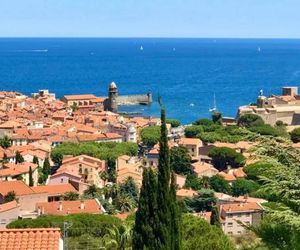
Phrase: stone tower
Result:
[112,97]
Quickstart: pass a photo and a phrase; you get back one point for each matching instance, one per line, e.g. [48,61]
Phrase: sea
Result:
[190,75]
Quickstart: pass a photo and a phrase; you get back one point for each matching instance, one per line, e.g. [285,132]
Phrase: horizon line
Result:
[146,37]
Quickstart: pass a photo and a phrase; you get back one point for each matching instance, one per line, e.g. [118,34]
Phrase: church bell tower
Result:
[112,96]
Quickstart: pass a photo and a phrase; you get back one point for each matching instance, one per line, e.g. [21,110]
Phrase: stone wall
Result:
[134,99]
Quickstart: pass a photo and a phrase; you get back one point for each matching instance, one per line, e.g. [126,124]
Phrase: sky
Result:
[150,18]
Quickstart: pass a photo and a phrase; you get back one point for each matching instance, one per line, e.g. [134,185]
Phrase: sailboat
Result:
[141,48]
[214,108]
[258,49]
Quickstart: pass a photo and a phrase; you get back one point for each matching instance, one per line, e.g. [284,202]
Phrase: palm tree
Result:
[124,203]
[119,238]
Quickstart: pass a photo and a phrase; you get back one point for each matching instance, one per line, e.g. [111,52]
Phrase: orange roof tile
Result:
[58,189]
[19,187]
[70,207]
[30,238]
[241,207]
[79,97]
[8,206]
[190,141]
[186,193]
[227,177]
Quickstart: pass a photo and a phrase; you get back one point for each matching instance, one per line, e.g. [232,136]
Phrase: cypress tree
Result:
[19,157]
[46,167]
[163,223]
[215,217]
[30,177]
[35,160]
[143,234]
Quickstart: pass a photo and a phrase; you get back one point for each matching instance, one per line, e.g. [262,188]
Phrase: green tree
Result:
[35,160]
[5,142]
[223,157]
[215,217]
[250,120]
[203,122]
[193,131]
[31,183]
[201,202]
[19,157]
[180,160]
[130,188]
[243,186]
[70,196]
[10,196]
[219,184]
[91,191]
[150,135]
[295,135]
[124,203]
[46,167]
[217,117]
[119,238]
[198,234]
[144,235]
[174,123]
[193,182]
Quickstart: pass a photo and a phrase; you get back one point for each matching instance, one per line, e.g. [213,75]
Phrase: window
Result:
[229,232]
[239,232]
[239,215]
[61,180]
[229,224]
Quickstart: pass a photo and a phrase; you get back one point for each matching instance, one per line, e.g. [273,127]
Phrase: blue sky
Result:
[150,18]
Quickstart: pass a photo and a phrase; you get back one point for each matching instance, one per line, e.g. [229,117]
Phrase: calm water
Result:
[185,72]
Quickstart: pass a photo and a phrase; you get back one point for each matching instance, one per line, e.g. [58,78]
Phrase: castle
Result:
[110,103]
[285,107]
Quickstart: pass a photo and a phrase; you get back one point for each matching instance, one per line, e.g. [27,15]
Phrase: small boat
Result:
[214,108]
[192,104]
[258,49]
[141,48]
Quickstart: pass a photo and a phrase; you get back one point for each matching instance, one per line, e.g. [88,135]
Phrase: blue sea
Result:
[187,73]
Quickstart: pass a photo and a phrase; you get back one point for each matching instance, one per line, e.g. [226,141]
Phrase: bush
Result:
[250,120]
[217,117]
[223,157]
[150,135]
[201,202]
[295,135]
[193,131]
[193,182]
[174,123]
[256,169]
[267,129]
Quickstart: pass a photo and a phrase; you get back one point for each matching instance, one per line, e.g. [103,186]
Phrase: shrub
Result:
[180,160]
[193,131]
[267,129]
[219,184]
[204,122]
[243,186]
[295,135]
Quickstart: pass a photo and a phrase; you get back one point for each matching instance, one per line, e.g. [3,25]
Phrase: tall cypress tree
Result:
[215,217]
[30,177]
[143,234]
[163,223]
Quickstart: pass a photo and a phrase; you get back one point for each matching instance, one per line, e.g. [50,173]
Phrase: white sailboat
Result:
[141,48]
[258,49]
[214,108]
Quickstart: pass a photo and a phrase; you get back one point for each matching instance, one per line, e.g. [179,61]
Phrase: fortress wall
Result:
[134,99]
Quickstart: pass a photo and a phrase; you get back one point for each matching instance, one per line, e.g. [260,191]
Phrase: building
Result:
[25,195]
[87,101]
[112,104]
[88,168]
[285,107]
[92,206]
[204,169]
[247,213]
[31,238]
[192,144]
[11,171]
[8,212]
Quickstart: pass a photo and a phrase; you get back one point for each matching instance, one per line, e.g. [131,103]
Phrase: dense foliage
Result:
[150,135]
[222,157]
[250,120]
[101,150]
[180,160]
[219,184]
[5,142]
[244,187]
[204,201]
[295,135]
[174,122]
[198,234]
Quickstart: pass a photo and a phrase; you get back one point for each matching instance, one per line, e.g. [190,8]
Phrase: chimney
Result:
[60,208]
[82,205]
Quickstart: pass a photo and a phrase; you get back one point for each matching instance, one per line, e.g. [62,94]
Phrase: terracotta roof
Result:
[79,97]
[190,141]
[58,189]
[70,207]
[240,207]
[12,169]
[227,177]
[8,206]
[30,238]
[202,167]
[186,193]
[19,187]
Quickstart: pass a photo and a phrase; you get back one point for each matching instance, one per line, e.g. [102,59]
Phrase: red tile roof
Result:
[240,207]
[8,206]
[30,238]
[70,207]
[19,187]
[58,189]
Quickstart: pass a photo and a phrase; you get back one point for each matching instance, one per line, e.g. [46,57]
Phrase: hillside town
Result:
[60,157]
